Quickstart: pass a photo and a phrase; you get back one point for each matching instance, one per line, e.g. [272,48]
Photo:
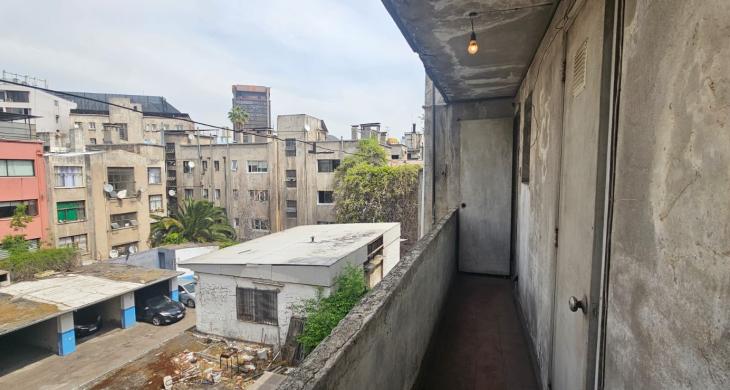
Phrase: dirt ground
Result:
[189,359]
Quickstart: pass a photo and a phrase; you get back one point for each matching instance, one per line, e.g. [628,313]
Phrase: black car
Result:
[86,322]
[160,310]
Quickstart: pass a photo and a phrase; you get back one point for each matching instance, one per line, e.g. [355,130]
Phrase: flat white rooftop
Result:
[295,247]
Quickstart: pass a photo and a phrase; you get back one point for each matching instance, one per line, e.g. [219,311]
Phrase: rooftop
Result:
[295,247]
[150,104]
[30,302]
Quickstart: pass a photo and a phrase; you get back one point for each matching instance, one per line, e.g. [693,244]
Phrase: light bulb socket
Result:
[473,36]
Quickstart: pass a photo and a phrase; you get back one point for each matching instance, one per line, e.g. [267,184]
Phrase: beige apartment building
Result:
[111,177]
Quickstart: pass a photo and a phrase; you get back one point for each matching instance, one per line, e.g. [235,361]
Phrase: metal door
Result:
[581,203]
[486,194]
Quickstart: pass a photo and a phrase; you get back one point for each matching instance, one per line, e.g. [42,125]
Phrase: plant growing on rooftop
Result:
[324,313]
[195,221]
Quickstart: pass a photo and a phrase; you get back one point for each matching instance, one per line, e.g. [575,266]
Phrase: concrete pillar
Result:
[174,294]
[66,336]
[129,314]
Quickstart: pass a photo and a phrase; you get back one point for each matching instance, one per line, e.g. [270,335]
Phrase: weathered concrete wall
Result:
[382,341]
[668,323]
[216,307]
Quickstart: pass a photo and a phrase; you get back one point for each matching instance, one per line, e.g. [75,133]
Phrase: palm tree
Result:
[196,221]
[238,117]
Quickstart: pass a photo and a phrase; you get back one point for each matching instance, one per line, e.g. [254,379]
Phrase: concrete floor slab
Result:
[93,358]
[479,343]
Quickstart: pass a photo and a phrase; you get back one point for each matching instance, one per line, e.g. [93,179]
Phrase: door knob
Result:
[574,304]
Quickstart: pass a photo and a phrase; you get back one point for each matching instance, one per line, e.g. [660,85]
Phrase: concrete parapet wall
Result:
[381,343]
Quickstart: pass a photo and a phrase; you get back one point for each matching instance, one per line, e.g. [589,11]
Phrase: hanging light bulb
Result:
[473,46]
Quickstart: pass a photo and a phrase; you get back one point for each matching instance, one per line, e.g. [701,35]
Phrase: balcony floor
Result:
[479,343]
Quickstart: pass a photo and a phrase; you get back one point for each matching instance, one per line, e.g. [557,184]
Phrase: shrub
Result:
[15,243]
[23,265]
[324,313]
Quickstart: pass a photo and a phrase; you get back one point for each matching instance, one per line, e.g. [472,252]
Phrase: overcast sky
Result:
[342,61]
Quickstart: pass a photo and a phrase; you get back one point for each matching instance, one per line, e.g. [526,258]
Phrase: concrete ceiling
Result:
[508,32]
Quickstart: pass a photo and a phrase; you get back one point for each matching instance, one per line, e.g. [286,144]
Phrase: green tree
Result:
[195,221]
[238,117]
[324,313]
[20,219]
[369,190]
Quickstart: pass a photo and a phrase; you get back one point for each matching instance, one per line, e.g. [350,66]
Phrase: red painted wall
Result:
[25,188]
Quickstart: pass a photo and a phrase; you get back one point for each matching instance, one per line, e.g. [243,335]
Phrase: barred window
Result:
[156,204]
[259,224]
[291,208]
[120,221]
[121,179]
[78,242]
[291,178]
[258,306]
[259,195]
[291,147]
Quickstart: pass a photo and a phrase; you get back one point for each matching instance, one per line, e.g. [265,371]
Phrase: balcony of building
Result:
[573,210]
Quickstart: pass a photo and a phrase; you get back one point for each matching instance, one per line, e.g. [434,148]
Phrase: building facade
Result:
[256,101]
[23,181]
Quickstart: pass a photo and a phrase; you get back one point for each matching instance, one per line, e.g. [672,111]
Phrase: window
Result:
[15,96]
[18,110]
[92,141]
[154,175]
[394,157]
[258,166]
[259,195]
[216,165]
[258,306]
[324,223]
[236,223]
[17,168]
[526,135]
[69,176]
[291,208]
[291,147]
[291,178]
[121,179]
[205,193]
[78,125]
[92,126]
[188,193]
[325,197]
[327,165]
[156,204]
[123,250]
[71,211]
[178,127]
[78,242]
[58,117]
[235,194]
[259,224]
[7,209]
[217,194]
[120,221]
[123,131]
[234,165]
[187,167]
[205,165]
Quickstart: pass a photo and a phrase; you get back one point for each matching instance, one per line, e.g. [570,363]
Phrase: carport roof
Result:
[29,302]
[508,33]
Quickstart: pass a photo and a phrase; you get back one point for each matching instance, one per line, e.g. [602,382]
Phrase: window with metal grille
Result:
[258,306]
[291,208]
[123,135]
[291,146]
[187,168]
[291,178]
[120,221]
[259,224]
[259,195]
[156,204]
[78,242]
[234,165]
[121,179]
[325,197]
[216,165]
[71,211]
[188,193]
[327,165]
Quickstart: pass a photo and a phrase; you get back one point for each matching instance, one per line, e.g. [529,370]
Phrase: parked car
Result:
[187,294]
[160,310]
[86,322]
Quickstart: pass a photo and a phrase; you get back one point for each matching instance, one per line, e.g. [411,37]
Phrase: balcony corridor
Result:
[479,343]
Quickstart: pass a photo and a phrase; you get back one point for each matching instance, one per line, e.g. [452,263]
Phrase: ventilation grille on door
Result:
[579,68]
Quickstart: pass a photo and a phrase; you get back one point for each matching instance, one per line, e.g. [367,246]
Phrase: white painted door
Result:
[486,195]
[579,216]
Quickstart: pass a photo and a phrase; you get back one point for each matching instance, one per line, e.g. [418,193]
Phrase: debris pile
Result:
[234,363]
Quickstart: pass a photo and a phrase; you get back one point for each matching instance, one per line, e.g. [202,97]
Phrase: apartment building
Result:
[256,101]
[23,181]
